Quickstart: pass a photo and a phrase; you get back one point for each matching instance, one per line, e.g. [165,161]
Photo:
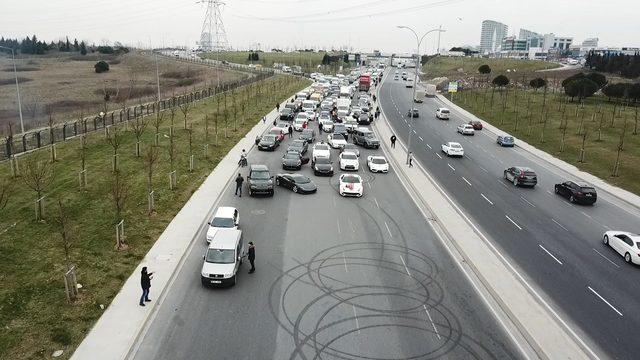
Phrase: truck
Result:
[364,82]
[430,90]
[420,94]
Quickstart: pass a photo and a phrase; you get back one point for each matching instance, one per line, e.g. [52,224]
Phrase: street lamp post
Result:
[15,73]
[415,79]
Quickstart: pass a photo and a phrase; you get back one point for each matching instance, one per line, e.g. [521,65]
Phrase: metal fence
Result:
[35,139]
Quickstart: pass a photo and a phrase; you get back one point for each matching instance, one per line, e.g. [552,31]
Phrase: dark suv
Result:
[577,192]
[259,180]
[521,175]
[364,137]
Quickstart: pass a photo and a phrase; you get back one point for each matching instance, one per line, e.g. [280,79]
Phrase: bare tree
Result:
[38,175]
[5,192]
[139,124]
[114,138]
[50,124]
[564,125]
[62,223]
[151,157]
[119,193]
[616,166]
[157,123]
[185,108]
[582,147]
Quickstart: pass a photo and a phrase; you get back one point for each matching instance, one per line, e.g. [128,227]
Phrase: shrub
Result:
[500,81]
[484,69]
[538,83]
[581,87]
[61,336]
[597,78]
[101,66]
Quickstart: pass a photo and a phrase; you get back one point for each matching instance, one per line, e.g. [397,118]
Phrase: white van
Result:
[226,217]
[223,258]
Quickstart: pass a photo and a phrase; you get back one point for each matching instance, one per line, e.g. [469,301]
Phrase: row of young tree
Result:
[614,63]
[32,45]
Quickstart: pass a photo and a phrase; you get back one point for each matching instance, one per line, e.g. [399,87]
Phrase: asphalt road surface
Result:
[557,245]
[337,278]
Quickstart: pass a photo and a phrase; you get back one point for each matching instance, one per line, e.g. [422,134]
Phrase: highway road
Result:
[337,278]
[556,245]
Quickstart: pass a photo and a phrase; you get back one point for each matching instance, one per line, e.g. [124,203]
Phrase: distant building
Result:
[551,41]
[590,43]
[510,43]
[527,34]
[491,36]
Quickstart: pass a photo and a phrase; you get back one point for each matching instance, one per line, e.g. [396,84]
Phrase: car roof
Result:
[351,175]
[453,142]
[583,184]
[524,168]
[259,167]
[377,157]
[225,238]
[225,212]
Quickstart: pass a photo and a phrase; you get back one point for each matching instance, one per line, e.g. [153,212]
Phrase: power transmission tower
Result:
[213,36]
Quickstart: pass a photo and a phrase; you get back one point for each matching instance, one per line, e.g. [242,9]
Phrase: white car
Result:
[302,116]
[284,126]
[351,185]
[466,129]
[321,150]
[324,116]
[226,217]
[311,115]
[377,163]
[409,83]
[327,125]
[625,243]
[453,149]
[336,141]
[442,113]
[349,161]
[342,114]
[351,124]
[300,124]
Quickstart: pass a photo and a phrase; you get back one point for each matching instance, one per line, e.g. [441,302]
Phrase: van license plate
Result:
[216,282]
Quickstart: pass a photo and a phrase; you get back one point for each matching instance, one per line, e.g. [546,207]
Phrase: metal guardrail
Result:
[39,138]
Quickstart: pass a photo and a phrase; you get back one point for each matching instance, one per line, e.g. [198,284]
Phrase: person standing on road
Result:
[145,282]
[374,97]
[410,159]
[251,255]
[290,131]
[264,119]
[320,127]
[393,141]
[277,106]
[239,181]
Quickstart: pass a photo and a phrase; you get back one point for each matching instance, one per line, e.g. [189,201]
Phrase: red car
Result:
[477,125]
[278,133]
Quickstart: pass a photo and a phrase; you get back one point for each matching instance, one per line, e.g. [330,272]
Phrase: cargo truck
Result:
[364,82]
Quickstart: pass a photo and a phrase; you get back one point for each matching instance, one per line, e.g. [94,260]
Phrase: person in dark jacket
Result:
[290,131]
[251,255]
[239,181]
[320,127]
[393,141]
[145,282]
[277,106]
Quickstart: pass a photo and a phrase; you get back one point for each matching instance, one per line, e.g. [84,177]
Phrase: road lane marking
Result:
[527,201]
[585,214]
[369,185]
[415,132]
[606,258]
[465,180]
[376,201]
[420,137]
[502,183]
[405,266]
[345,262]
[452,168]
[338,222]
[429,146]
[470,141]
[513,222]
[486,198]
[483,169]
[334,202]
[438,155]
[355,315]
[550,254]
[605,301]
[557,223]
[387,226]
[431,320]
[549,192]
[468,157]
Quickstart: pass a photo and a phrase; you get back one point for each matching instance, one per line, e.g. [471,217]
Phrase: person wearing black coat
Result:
[251,255]
[145,282]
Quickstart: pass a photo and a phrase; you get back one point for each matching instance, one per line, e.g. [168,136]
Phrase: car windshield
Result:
[301,179]
[349,156]
[221,222]
[368,135]
[323,161]
[300,121]
[291,156]
[269,138]
[301,117]
[444,111]
[351,180]
[378,161]
[276,131]
[507,139]
[587,189]
[286,111]
[221,256]
[322,147]
[260,175]
[529,173]
[455,146]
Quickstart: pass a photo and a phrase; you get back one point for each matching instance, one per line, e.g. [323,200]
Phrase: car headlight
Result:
[331,168]
[253,186]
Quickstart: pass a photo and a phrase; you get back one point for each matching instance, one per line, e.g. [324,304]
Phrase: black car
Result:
[259,180]
[323,166]
[364,119]
[299,146]
[521,175]
[292,160]
[308,135]
[298,183]
[581,193]
[268,143]
[413,113]
[287,114]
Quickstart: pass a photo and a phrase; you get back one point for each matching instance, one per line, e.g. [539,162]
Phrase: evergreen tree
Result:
[76,46]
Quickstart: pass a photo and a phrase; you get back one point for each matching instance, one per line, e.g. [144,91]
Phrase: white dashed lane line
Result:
[557,223]
[606,258]
[513,222]
[605,300]
[527,201]
[388,230]
[452,168]
[376,201]
[550,254]
[483,169]
[490,202]
[438,155]
[465,180]
[420,137]
[429,146]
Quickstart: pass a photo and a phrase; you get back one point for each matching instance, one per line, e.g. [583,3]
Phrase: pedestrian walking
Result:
[320,126]
[145,282]
[264,119]
[239,181]
[277,106]
[251,255]
[374,98]
[410,159]
[393,141]
[290,131]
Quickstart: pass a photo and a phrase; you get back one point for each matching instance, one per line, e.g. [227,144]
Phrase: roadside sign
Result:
[453,87]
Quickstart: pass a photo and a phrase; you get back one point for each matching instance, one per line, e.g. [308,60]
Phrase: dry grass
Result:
[68,79]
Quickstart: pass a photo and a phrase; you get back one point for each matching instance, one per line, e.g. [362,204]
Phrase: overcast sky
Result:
[363,25]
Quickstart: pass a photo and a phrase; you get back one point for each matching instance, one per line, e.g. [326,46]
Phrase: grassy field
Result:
[450,66]
[521,113]
[307,60]
[35,318]
[68,84]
